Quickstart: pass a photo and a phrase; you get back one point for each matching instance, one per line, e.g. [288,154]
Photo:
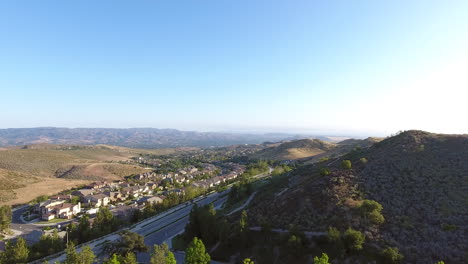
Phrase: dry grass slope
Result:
[24,166]
[296,149]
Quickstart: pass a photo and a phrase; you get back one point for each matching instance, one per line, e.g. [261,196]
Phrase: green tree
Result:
[113,260]
[128,258]
[322,260]
[440,262]
[353,239]
[162,255]
[5,217]
[71,255]
[105,222]
[86,256]
[83,233]
[48,244]
[391,255]
[75,199]
[196,253]
[346,164]
[248,261]
[170,258]
[15,252]
[128,242]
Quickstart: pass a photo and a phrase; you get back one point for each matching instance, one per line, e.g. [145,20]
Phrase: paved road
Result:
[160,228]
[30,232]
[175,225]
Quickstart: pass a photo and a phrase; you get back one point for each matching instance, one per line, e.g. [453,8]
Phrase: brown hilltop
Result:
[296,149]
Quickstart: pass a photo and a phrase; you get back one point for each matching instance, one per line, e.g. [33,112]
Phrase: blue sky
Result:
[332,67]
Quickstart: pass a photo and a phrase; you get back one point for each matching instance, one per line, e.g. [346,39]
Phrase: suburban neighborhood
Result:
[131,193]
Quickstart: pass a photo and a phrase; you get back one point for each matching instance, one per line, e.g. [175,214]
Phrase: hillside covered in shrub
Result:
[407,194]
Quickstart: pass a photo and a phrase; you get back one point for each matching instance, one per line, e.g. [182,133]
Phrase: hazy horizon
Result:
[337,68]
[253,131]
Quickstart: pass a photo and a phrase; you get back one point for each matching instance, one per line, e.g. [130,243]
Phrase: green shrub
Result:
[41,198]
[346,164]
[363,160]
[391,255]
[322,260]
[420,148]
[353,239]
[368,206]
[323,159]
[376,217]
[325,171]
[448,227]
[371,210]
[333,235]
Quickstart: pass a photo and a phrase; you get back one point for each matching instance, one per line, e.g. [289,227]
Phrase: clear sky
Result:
[333,67]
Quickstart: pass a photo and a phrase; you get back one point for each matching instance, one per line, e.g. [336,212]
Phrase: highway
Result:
[157,229]
[172,225]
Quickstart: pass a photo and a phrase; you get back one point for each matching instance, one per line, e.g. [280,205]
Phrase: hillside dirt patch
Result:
[47,186]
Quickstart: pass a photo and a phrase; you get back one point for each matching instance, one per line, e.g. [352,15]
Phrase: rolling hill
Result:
[420,179]
[311,150]
[29,171]
[296,149]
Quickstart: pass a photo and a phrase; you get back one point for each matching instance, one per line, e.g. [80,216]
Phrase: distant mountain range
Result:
[134,137]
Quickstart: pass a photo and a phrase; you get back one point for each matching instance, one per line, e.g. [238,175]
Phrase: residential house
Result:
[96,200]
[114,196]
[66,210]
[150,200]
[60,197]
[83,192]
[152,185]
[44,207]
[179,179]
[97,185]
[124,185]
[134,191]
[193,169]
[60,210]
